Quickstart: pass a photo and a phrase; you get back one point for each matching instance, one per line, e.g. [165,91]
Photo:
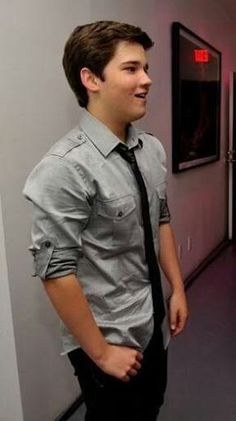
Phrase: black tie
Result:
[153,268]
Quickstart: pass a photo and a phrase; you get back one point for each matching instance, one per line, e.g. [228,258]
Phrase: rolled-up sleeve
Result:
[60,200]
[165,216]
[164,211]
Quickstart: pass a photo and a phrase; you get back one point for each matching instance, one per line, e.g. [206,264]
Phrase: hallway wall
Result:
[198,197]
[37,108]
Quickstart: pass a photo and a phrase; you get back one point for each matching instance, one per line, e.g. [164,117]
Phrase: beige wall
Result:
[37,108]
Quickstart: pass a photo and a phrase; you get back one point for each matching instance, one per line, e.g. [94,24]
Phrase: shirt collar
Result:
[103,139]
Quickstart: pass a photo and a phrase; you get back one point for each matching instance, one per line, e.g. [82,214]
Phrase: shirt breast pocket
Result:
[117,221]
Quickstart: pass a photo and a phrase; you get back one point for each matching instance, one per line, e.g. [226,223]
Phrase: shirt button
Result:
[120,214]
[47,244]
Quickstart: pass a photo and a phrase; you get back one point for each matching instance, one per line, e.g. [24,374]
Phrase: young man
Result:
[91,243]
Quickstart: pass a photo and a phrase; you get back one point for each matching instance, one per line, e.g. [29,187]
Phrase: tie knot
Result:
[127,154]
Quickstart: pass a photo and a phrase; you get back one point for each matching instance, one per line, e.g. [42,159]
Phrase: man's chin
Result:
[139,115]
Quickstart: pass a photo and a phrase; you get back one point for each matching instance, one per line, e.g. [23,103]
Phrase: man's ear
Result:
[89,80]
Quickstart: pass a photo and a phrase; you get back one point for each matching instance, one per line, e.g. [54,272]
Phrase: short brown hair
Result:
[93,46]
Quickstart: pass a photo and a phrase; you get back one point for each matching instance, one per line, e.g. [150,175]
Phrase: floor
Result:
[202,361]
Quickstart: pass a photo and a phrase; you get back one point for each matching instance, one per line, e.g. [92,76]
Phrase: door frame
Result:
[231,159]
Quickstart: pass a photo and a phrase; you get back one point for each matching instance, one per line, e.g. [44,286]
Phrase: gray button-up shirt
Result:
[87,220]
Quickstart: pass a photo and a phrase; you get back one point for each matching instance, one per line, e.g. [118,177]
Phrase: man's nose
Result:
[146,80]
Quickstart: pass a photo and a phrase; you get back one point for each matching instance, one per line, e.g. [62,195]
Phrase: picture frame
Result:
[196,100]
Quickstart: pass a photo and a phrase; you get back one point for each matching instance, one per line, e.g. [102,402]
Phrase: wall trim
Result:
[211,256]
[65,415]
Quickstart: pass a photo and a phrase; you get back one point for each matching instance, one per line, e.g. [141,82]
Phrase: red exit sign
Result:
[201,56]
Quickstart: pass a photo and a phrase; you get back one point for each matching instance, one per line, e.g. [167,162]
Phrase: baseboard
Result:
[214,253]
[65,415]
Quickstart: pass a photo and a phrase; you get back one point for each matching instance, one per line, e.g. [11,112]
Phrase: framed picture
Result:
[196,90]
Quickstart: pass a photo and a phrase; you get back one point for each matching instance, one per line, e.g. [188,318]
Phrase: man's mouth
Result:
[141,95]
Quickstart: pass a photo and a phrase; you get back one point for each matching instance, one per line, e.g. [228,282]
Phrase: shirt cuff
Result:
[51,262]
[164,211]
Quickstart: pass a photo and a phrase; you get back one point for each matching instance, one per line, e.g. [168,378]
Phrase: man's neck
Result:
[119,129]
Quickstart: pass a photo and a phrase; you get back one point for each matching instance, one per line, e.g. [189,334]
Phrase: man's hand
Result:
[120,362]
[178,312]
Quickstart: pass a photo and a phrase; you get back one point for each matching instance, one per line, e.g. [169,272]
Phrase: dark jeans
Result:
[110,399]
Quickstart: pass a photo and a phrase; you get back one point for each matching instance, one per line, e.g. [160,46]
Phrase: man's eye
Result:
[130,69]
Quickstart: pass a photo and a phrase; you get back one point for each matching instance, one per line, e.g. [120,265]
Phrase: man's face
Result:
[123,92]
